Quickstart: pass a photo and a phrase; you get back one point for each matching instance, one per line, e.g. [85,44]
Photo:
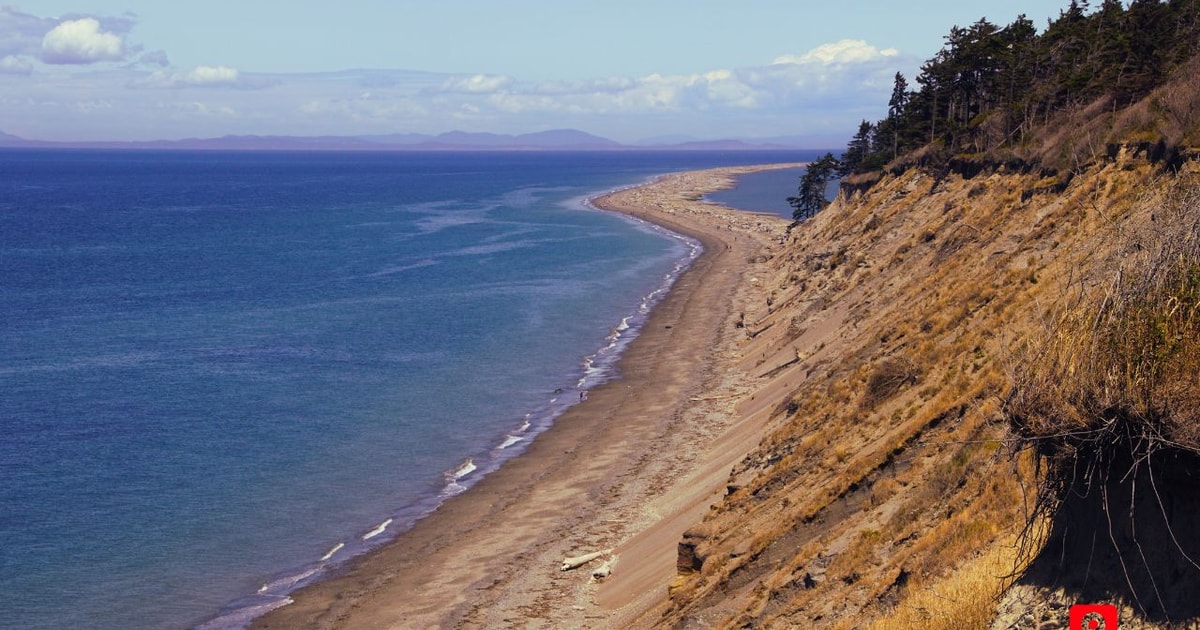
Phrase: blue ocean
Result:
[765,191]
[223,373]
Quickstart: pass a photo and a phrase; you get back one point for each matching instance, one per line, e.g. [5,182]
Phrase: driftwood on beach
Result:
[605,569]
[577,561]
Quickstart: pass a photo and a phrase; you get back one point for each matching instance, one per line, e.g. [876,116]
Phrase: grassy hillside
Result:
[982,362]
[923,393]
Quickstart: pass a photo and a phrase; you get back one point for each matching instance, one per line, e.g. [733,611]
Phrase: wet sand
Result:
[629,469]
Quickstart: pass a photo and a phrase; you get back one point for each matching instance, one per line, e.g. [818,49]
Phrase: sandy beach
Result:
[629,469]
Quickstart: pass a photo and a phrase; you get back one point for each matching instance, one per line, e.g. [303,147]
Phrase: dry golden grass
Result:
[851,563]
[965,599]
[889,455]
[1128,349]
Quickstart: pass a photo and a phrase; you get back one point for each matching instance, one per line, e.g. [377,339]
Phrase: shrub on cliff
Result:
[1131,351]
[1111,403]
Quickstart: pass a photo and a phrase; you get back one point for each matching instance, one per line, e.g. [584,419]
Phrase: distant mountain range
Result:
[554,140]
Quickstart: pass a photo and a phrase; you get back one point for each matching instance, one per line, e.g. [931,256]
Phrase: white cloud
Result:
[204,109]
[840,73]
[829,87]
[81,41]
[846,51]
[608,85]
[477,84]
[728,90]
[200,76]
[13,64]
[521,103]
[356,108]
[93,105]
[211,75]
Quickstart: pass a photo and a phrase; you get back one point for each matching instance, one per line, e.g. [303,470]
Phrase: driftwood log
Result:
[577,561]
[605,569]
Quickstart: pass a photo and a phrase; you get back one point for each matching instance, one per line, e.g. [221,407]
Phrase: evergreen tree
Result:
[896,105]
[1147,32]
[858,150]
[810,198]
[988,87]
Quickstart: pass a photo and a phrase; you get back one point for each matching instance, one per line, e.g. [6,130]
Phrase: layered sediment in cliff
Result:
[891,487]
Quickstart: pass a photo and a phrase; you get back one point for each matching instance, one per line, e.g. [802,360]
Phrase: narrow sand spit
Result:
[625,472]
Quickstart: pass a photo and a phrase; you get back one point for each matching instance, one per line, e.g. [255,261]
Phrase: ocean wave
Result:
[329,554]
[241,616]
[510,440]
[287,582]
[115,360]
[382,527]
[525,197]
[467,467]
[388,271]
[492,248]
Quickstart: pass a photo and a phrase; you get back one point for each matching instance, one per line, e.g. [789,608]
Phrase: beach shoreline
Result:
[628,469]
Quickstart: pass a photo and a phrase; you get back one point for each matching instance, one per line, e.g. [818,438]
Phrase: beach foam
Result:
[329,554]
[382,527]
[241,615]
[286,583]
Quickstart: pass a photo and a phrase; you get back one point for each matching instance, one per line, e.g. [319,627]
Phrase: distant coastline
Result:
[554,140]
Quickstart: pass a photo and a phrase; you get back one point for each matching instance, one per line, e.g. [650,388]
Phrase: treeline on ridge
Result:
[992,92]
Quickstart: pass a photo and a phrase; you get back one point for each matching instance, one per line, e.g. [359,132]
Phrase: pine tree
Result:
[810,199]
[896,105]
[988,87]
[858,150]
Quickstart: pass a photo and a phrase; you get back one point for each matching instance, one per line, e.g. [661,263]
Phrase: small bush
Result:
[888,378]
[1131,351]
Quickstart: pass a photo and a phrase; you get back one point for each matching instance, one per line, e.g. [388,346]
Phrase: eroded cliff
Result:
[891,488]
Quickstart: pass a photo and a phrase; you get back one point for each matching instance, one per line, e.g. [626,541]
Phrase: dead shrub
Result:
[888,378]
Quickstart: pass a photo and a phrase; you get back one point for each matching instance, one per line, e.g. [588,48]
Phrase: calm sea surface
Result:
[222,373]
[766,191]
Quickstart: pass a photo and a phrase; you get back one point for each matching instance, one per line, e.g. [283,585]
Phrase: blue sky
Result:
[628,70]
